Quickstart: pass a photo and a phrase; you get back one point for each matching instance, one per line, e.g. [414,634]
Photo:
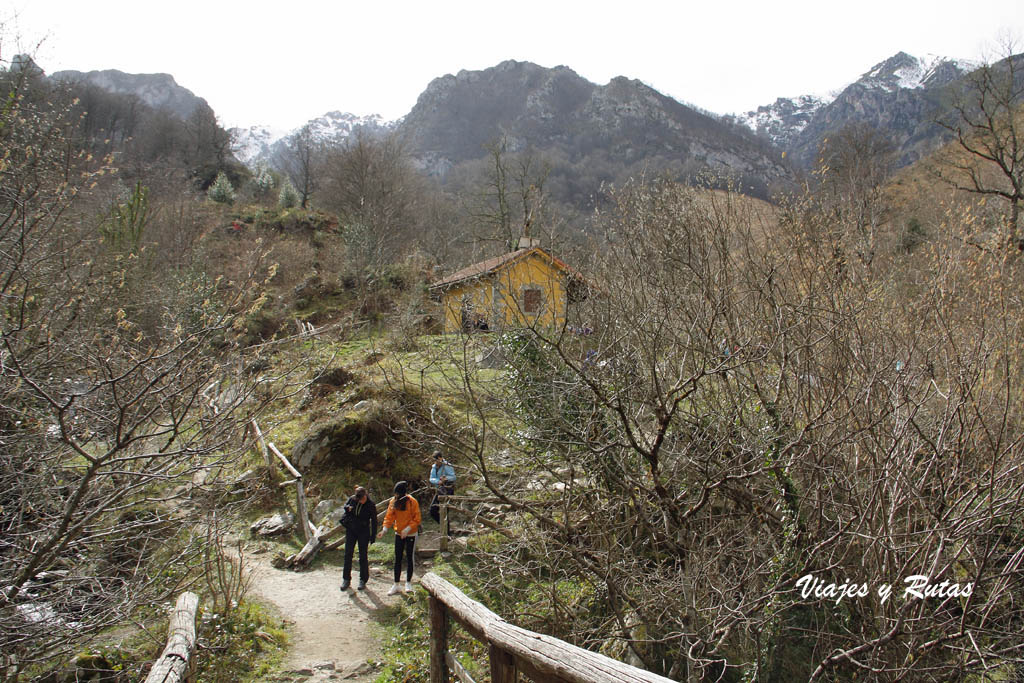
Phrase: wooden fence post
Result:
[262,444]
[515,651]
[503,665]
[445,528]
[438,641]
[300,491]
[300,496]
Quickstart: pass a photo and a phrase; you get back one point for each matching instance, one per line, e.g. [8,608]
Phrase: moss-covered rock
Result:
[92,666]
[361,439]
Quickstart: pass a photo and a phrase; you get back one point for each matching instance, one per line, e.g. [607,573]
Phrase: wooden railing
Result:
[450,505]
[175,663]
[513,650]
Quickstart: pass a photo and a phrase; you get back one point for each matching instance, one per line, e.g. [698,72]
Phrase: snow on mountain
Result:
[335,126]
[906,72]
[783,119]
[785,122]
[262,143]
[254,143]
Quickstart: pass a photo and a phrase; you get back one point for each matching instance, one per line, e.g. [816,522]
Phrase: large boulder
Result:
[280,523]
[326,509]
[361,439]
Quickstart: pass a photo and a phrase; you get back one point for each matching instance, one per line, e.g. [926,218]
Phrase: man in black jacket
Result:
[360,521]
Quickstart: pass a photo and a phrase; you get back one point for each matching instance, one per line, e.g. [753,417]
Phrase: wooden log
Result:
[300,494]
[173,665]
[284,461]
[315,544]
[262,444]
[300,504]
[552,659]
[503,665]
[335,545]
[306,555]
[456,668]
[470,614]
[438,641]
[331,533]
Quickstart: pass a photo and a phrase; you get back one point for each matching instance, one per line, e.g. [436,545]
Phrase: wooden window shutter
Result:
[532,301]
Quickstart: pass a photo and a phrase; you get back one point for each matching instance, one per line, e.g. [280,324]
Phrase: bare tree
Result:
[302,161]
[378,196]
[209,145]
[853,167]
[509,202]
[988,129]
[112,430]
[731,410]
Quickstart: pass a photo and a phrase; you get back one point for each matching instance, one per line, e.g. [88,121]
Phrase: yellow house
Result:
[524,287]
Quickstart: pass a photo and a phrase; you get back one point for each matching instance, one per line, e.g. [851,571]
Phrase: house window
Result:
[531,301]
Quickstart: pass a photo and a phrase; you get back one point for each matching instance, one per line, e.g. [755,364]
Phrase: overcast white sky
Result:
[285,62]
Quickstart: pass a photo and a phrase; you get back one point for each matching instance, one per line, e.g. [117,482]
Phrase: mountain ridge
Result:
[607,132]
[264,144]
[899,96]
[159,90]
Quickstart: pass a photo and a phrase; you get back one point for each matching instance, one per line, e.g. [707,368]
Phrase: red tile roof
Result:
[493,264]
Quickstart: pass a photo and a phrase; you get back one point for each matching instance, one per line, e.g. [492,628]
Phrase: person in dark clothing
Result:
[360,520]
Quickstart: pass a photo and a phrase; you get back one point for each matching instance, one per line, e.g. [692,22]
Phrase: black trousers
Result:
[435,506]
[406,546]
[360,537]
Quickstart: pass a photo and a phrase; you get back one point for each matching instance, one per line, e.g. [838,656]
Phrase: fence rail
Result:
[175,662]
[514,650]
[448,505]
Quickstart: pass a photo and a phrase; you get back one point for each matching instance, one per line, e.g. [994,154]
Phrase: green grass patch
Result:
[247,645]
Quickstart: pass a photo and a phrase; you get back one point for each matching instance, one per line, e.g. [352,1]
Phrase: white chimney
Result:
[528,242]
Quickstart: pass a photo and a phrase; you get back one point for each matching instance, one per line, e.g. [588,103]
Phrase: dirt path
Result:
[332,638]
[332,635]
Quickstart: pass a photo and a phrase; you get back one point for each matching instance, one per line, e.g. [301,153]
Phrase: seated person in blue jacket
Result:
[442,476]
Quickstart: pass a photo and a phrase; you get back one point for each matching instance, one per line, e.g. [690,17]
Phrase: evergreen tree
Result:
[289,196]
[263,181]
[221,191]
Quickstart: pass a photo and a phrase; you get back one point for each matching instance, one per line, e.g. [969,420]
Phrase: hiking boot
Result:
[362,585]
[394,590]
[345,584]
[408,586]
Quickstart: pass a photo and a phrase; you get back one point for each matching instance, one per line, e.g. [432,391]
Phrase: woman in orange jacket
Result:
[404,516]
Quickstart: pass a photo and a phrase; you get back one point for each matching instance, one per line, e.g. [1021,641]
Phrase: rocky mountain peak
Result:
[906,72]
[159,91]
[597,133]
[897,96]
[264,144]
[782,120]
[22,63]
